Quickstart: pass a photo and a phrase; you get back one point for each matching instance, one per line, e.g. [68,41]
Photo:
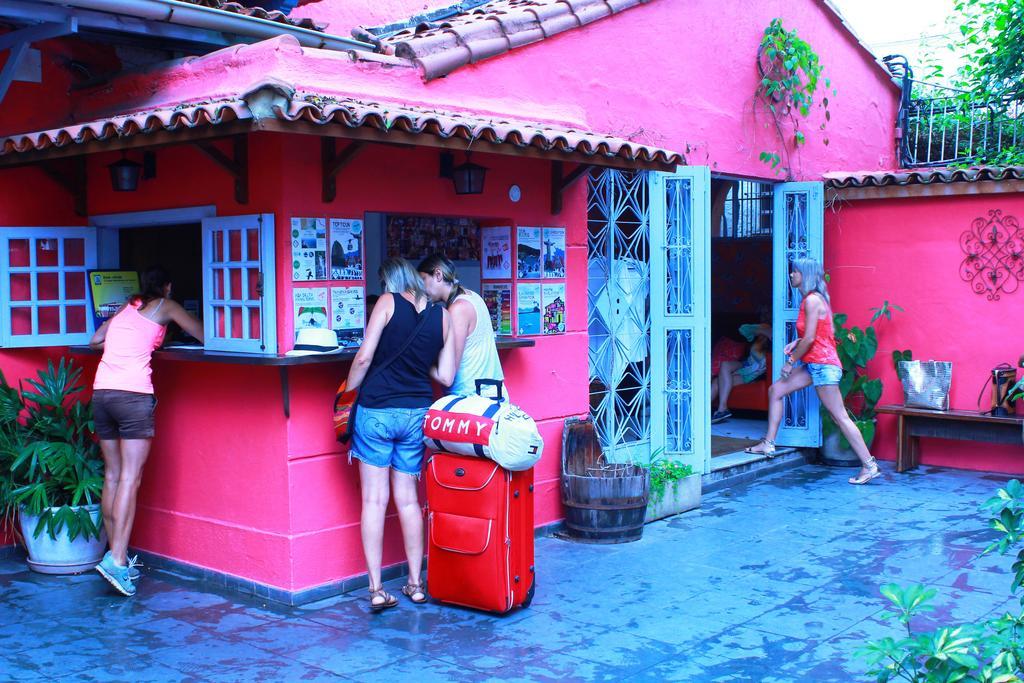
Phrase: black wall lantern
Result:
[124,175]
[468,178]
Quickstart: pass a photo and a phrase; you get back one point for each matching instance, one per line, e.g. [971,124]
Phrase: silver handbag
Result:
[926,383]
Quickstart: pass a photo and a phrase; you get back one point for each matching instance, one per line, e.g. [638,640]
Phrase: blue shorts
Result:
[823,375]
[389,437]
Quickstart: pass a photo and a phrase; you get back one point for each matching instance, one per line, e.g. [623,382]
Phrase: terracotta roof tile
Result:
[441,47]
[259,13]
[278,100]
[924,176]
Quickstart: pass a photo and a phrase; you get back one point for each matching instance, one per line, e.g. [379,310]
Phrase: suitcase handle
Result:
[496,383]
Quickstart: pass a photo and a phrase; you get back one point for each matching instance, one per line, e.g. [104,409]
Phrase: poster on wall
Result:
[553,302]
[346,249]
[554,252]
[496,257]
[309,249]
[498,298]
[348,315]
[528,253]
[528,308]
[110,290]
[310,306]
[415,237]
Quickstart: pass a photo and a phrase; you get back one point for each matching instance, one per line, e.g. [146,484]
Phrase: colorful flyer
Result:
[498,298]
[309,249]
[553,301]
[110,290]
[310,304]
[348,314]
[528,308]
[496,253]
[346,249]
[554,252]
[528,243]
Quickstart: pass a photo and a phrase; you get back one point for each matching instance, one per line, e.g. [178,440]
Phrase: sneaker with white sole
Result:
[117,575]
[720,416]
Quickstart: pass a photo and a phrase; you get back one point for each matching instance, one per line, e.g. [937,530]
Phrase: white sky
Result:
[911,28]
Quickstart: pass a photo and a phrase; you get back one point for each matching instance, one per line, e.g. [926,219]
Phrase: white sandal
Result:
[873,471]
[769,448]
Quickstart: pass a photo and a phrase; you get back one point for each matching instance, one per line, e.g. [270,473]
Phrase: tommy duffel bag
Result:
[475,425]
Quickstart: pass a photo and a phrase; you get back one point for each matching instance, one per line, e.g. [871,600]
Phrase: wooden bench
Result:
[960,425]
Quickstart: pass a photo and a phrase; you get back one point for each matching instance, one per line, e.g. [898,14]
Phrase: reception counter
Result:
[251,493]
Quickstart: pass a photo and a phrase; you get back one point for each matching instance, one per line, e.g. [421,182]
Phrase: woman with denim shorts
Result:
[394,395]
[123,405]
[812,359]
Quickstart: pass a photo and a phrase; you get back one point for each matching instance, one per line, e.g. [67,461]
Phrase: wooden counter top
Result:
[199,355]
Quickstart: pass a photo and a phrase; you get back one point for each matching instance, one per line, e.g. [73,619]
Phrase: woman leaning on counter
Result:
[123,403]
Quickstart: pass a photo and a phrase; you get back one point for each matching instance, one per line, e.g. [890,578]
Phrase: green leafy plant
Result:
[988,86]
[856,348]
[791,72]
[991,651]
[664,473]
[50,463]
[899,357]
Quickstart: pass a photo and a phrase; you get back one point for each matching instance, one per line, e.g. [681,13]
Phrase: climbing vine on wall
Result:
[791,74]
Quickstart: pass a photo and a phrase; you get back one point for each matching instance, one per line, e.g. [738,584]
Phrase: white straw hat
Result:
[311,341]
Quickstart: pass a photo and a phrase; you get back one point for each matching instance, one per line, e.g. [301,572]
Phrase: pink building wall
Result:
[681,75]
[653,74]
[233,486]
[908,251]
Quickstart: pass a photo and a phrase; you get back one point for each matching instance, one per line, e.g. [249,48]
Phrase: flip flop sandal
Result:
[387,600]
[411,590]
[768,452]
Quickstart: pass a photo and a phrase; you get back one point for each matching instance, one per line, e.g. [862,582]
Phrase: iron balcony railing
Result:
[944,126]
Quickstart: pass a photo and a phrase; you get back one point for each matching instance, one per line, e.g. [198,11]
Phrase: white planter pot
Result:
[62,556]
[680,496]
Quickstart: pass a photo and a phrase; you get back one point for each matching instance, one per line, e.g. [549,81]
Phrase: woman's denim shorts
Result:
[823,375]
[389,437]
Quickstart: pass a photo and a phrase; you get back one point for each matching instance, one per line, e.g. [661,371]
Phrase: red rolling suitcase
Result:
[479,533]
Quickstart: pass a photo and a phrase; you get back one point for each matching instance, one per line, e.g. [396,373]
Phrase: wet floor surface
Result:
[771,581]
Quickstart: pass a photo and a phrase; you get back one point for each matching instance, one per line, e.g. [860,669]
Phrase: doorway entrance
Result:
[741,313]
[650,304]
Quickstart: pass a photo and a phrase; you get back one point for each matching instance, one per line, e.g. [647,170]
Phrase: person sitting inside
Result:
[733,372]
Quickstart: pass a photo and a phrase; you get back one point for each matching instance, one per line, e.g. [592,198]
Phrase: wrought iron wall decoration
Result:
[993,255]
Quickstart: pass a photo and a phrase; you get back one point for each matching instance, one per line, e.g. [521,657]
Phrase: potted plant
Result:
[52,472]
[861,393]
[674,489]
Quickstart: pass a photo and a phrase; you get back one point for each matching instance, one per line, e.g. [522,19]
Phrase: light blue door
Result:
[796,233]
[680,315]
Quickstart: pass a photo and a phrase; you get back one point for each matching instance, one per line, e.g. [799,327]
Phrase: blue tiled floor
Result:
[772,581]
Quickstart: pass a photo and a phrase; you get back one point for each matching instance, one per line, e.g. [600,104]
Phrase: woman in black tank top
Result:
[407,337]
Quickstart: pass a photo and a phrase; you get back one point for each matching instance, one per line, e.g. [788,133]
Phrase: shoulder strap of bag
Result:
[424,317]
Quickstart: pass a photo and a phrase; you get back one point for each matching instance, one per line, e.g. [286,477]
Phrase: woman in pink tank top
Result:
[123,403]
[813,359]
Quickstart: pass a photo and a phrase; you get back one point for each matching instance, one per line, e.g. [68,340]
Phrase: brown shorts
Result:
[122,414]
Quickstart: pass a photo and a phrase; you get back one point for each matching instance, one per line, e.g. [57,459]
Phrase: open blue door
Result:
[796,233]
[680,315]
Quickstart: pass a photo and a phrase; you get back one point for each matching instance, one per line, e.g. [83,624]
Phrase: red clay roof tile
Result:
[259,13]
[923,176]
[278,100]
[442,47]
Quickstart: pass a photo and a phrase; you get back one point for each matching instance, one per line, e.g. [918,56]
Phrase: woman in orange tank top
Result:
[812,359]
[123,403]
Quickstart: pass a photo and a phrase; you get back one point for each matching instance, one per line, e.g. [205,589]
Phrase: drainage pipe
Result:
[198,16]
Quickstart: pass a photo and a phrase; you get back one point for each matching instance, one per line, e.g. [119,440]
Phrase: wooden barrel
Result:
[604,502]
[605,509]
